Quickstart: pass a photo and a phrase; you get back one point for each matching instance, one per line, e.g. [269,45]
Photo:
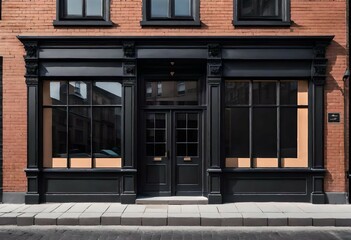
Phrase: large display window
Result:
[82,124]
[266,124]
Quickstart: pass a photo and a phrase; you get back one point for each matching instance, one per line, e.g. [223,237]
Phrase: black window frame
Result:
[282,20]
[63,20]
[251,105]
[193,20]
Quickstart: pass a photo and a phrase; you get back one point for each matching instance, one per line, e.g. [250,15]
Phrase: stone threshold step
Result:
[173,200]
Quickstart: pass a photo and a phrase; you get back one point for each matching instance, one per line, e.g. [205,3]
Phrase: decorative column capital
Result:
[214,50]
[129,49]
[31,48]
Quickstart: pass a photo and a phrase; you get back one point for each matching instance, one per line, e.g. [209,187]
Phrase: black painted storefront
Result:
[209,60]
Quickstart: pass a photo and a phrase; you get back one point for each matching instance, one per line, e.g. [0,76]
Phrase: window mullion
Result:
[171,9]
[278,125]
[250,126]
[84,8]
[67,127]
[91,126]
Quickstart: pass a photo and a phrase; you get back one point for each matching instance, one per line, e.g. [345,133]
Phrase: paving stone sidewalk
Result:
[233,214]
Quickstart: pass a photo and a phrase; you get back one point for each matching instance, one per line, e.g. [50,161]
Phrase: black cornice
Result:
[182,40]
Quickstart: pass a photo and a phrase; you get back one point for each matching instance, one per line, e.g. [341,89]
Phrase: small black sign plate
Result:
[333,117]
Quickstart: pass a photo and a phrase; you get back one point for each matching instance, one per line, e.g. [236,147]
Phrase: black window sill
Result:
[242,23]
[171,23]
[85,23]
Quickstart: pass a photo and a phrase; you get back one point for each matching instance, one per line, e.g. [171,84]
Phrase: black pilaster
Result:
[214,77]
[319,74]
[32,81]
[128,194]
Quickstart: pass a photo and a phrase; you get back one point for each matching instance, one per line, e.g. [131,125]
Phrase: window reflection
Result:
[171,92]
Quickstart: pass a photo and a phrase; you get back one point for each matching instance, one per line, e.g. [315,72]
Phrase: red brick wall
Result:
[34,17]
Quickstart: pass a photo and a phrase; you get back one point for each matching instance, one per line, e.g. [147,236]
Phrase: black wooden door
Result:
[172,162]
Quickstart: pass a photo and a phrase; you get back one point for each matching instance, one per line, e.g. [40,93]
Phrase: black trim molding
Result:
[288,57]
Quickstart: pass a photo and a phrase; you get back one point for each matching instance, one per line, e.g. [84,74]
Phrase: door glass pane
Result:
[79,93]
[160,149]
[264,131]
[150,120]
[107,132]
[181,120]
[264,93]
[237,132]
[288,132]
[107,93]
[171,93]
[79,132]
[181,149]
[237,93]
[150,135]
[182,8]
[192,120]
[159,8]
[192,149]
[94,8]
[181,136]
[74,8]
[54,93]
[150,151]
[288,93]
[160,120]
[160,135]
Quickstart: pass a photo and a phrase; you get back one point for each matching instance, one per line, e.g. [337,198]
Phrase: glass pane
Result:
[288,132]
[171,93]
[107,132]
[264,93]
[74,8]
[181,120]
[160,120]
[79,93]
[192,136]
[150,120]
[55,132]
[237,132]
[54,93]
[192,149]
[181,150]
[160,135]
[94,8]
[79,132]
[268,8]
[288,93]
[182,8]
[192,120]
[264,132]
[150,151]
[150,136]
[259,8]
[107,93]
[237,93]
[181,136]
[160,150]
[159,8]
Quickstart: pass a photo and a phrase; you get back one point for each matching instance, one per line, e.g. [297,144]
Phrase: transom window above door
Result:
[83,12]
[262,12]
[171,12]
[171,93]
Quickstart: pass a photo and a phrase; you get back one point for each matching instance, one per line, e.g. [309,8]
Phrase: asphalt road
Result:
[173,233]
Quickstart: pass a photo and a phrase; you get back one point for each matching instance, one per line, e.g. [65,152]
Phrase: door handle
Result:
[166,154]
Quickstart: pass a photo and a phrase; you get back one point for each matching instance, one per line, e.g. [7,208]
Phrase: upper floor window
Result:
[171,12]
[83,12]
[262,13]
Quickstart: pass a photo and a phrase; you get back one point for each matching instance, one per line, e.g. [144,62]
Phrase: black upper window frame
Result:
[62,19]
[283,18]
[171,20]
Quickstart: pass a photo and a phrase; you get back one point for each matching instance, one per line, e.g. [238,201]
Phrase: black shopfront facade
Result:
[229,118]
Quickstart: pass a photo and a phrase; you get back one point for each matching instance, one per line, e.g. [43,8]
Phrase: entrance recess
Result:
[172,153]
